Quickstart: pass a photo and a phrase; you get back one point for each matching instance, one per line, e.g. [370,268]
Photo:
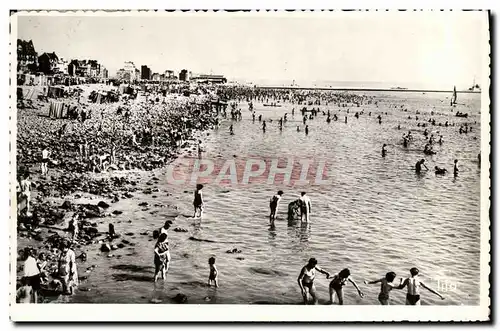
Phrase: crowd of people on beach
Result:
[146,135]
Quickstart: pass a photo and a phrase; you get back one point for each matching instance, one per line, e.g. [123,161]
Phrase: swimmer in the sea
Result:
[439,171]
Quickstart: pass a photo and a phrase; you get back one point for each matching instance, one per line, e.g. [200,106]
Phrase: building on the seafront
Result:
[85,68]
[123,74]
[104,73]
[217,79]
[169,74]
[155,76]
[27,57]
[47,63]
[129,72]
[145,72]
[184,75]
[61,66]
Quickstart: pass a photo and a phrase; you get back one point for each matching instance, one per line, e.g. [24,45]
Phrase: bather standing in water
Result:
[273,205]
[338,283]
[306,280]
[418,166]
[386,285]
[455,169]
[307,130]
[264,126]
[413,283]
[198,200]
[305,207]
[384,151]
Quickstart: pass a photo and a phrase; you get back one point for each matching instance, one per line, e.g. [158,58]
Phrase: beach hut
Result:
[55,92]
[56,109]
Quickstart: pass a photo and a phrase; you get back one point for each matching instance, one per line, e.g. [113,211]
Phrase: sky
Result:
[407,49]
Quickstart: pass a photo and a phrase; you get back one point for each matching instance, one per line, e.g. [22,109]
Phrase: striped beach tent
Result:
[56,109]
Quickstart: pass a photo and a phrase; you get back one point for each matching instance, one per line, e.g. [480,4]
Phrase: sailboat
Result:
[475,87]
[453,101]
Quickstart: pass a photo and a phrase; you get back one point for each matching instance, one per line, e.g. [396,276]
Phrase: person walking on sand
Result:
[273,205]
[386,285]
[67,268]
[25,191]
[165,227]
[338,283]
[200,149]
[162,257]
[413,283]
[306,280]
[32,273]
[213,277]
[305,207]
[198,200]
[45,161]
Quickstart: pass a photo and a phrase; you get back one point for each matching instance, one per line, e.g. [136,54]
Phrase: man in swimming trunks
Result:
[45,161]
[413,283]
[305,207]
[306,280]
[273,204]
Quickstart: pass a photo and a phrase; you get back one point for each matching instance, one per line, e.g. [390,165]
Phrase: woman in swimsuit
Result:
[337,284]
[306,280]
[198,200]
[386,286]
[413,283]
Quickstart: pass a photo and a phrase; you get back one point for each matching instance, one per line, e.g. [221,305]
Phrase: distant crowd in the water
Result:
[302,206]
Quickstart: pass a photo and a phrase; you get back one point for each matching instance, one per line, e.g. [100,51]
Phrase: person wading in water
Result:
[306,280]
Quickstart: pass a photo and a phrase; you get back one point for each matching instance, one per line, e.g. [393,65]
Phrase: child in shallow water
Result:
[214,273]
[386,285]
